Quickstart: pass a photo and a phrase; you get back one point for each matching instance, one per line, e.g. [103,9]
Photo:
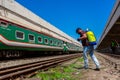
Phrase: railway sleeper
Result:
[112,63]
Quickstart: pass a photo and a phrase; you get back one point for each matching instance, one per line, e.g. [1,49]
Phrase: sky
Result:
[67,15]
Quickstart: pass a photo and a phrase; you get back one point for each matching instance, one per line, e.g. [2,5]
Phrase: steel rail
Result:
[112,60]
[11,72]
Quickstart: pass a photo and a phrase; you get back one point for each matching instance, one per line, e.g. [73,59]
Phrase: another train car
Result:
[21,30]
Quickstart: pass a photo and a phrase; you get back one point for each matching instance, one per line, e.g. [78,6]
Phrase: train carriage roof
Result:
[32,18]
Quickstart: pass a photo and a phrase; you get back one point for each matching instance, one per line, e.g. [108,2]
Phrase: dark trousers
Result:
[113,50]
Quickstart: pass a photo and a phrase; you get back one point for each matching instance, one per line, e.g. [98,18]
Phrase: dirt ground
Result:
[107,72]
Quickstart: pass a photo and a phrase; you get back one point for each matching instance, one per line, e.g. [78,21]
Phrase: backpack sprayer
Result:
[91,37]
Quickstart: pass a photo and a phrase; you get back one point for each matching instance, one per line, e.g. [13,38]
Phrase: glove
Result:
[78,39]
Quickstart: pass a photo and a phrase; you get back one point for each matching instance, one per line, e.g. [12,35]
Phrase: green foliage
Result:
[81,59]
[61,72]
[58,73]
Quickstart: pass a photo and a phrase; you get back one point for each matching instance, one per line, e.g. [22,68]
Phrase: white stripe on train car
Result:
[20,44]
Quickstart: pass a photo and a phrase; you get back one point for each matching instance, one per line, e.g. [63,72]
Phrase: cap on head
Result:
[78,30]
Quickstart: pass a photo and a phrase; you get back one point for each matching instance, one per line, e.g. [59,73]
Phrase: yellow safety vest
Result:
[91,36]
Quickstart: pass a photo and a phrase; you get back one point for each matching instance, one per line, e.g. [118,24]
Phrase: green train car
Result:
[23,32]
[15,38]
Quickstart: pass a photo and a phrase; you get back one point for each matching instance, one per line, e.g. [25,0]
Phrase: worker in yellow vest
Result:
[88,41]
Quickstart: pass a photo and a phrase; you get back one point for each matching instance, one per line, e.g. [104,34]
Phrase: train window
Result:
[40,39]
[58,43]
[51,42]
[61,43]
[55,42]
[3,24]
[31,37]
[20,35]
[46,41]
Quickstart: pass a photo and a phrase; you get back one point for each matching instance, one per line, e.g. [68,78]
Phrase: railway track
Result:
[113,55]
[10,73]
[112,59]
